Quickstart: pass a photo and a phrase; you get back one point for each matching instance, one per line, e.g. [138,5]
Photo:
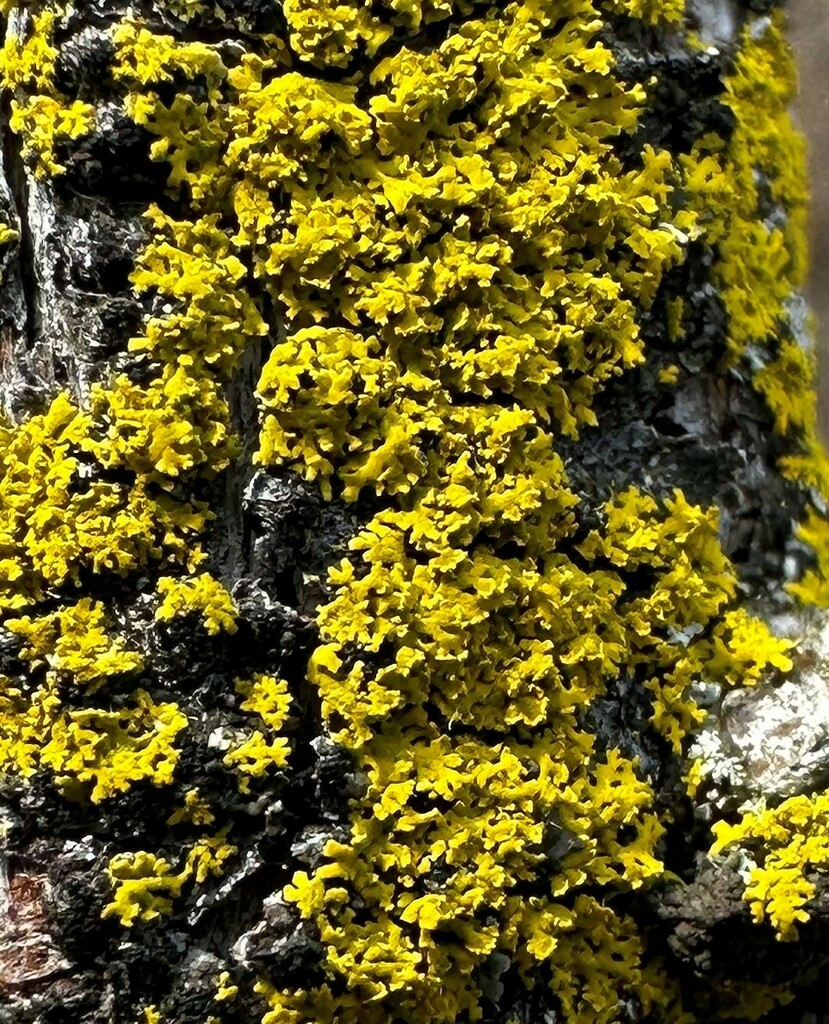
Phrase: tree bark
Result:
[224,688]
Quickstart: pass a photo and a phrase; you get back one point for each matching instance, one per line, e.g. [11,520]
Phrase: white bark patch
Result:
[781,734]
[716,21]
[772,741]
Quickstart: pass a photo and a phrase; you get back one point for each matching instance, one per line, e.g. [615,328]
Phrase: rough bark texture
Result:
[690,416]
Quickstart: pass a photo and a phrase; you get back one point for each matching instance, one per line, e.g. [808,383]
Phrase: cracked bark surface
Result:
[66,315]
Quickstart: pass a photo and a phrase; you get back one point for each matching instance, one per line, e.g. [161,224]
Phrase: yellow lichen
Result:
[203,595]
[75,642]
[8,234]
[195,810]
[267,697]
[442,328]
[39,113]
[145,885]
[787,841]
[225,990]
[92,753]
[451,259]
[56,523]
[760,261]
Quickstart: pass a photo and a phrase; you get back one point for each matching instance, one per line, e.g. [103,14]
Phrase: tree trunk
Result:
[414,549]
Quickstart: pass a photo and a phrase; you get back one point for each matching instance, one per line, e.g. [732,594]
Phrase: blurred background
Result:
[809,22]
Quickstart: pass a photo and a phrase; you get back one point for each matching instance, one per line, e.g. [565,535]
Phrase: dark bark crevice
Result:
[18,186]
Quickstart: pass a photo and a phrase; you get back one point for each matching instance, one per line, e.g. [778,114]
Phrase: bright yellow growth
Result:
[145,886]
[202,594]
[194,266]
[56,523]
[456,258]
[195,810]
[743,650]
[61,517]
[7,235]
[267,697]
[510,308]
[750,195]
[225,991]
[39,114]
[179,422]
[788,841]
[75,642]
[761,260]
[92,753]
